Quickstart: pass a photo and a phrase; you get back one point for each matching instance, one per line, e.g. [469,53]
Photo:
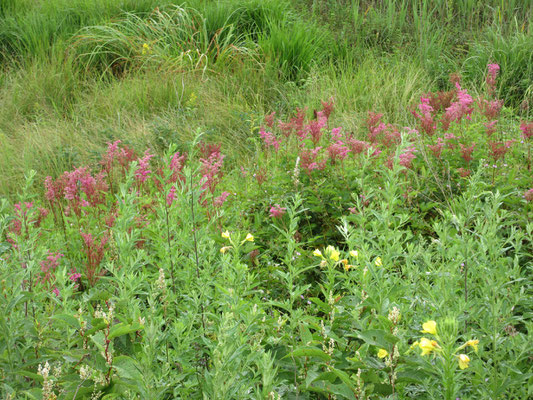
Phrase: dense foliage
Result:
[383,262]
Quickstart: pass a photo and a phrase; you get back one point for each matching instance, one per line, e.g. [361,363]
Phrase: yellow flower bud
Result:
[378,262]
[317,253]
[354,253]
[225,234]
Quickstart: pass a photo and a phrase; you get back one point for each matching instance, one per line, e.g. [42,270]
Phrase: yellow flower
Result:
[415,344]
[146,48]
[382,353]
[249,238]
[334,254]
[427,346]
[224,249]
[473,343]
[348,267]
[225,234]
[463,361]
[378,262]
[429,327]
[317,253]
[354,253]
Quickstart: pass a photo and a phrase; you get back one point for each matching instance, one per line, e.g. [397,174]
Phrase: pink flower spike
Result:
[171,196]
[276,211]
[220,200]
[143,169]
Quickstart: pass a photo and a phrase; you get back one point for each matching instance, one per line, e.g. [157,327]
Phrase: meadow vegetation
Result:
[266,199]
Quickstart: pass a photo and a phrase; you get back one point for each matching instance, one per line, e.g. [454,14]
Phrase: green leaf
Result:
[69,319]
[309,352]
[124,329]
[127,368]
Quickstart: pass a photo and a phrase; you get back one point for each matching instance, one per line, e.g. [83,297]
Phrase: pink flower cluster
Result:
[142,172]
[73,184]
[270,139]
[425,118]
[493,70]
[276,211]
[460,108]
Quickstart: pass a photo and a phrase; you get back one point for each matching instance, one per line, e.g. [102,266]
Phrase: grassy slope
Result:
[76,75]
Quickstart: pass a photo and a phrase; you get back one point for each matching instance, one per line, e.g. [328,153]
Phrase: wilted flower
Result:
[224,249]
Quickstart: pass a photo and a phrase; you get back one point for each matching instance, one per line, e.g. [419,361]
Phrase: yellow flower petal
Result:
[427,346]
[249,238]
[225,234]
[473,343]
[317,253]
[354,253]
[382,353]
[333,253]
[463,361]
[378,262]
[429,327]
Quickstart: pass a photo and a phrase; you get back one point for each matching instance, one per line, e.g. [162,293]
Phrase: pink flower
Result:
[220,200]
[527,129]
[270,139]
[171,196]
[528,195]
[315,128]
[309,160]
[436,149]
[466,152]
[327,108]
[460,108]
[490,109]
[211,170]
[177,163]
[490,127]
[269,119]
[357,146]
[55,291]
[425,117]
[276,211]
[74,275]
[143,168]
[110,155]
[338,150]
[407,157]
[336,133]
[493,70]
[374,125]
